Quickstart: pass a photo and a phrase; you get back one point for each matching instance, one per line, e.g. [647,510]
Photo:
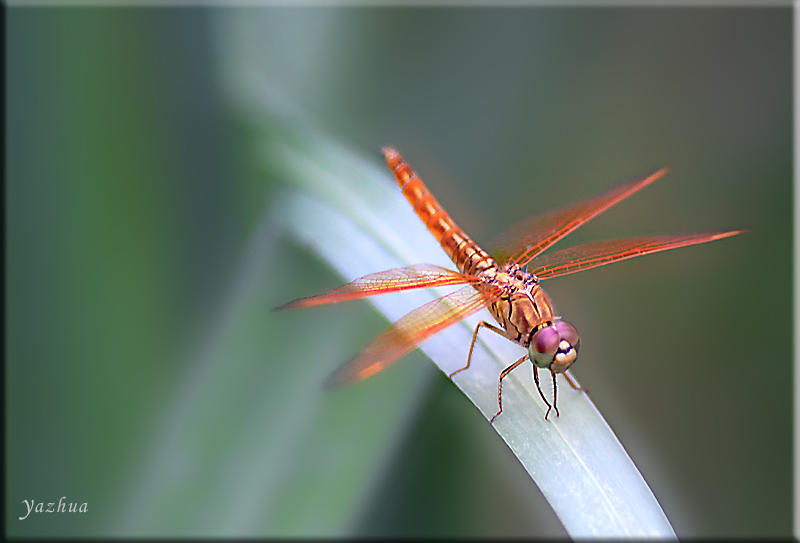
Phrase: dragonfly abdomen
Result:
[462,250]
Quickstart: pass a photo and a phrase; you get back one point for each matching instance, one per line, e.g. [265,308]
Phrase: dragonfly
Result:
[508,283]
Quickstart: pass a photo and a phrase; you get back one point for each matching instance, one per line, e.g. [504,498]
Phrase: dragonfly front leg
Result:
[474,337]
[500,386]
[539,388]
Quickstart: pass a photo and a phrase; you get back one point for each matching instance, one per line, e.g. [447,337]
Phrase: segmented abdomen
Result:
[465,253]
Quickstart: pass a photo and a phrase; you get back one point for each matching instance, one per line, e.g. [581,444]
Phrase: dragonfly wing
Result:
[404,335]
[533,236]
[600,253]
[394,280]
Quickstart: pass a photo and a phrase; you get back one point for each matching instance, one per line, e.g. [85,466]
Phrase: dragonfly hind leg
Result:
[474,337]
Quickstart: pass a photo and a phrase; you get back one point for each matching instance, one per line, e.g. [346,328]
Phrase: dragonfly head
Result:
[555,346]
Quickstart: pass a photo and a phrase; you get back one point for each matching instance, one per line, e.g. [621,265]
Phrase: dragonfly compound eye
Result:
[555,347]
[544,346]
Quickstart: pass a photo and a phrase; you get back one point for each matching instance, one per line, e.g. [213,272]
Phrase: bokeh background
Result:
[146,376]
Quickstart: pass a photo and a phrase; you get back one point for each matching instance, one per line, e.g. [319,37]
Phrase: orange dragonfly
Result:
[508,284]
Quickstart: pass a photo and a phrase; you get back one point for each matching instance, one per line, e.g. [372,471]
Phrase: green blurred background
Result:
[146,376]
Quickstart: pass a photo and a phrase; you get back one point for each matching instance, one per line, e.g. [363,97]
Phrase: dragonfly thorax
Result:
[526,314]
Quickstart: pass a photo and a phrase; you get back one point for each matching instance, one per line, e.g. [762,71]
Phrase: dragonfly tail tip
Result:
[393,158]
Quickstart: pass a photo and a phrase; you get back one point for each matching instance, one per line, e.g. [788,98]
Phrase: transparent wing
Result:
[600,253]
[394,280]
[404,335]
[533,236]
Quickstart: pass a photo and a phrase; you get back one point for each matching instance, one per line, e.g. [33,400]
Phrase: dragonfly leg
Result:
[500,385]
[539,388]
[574,384]
[555,397]
[474,337]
